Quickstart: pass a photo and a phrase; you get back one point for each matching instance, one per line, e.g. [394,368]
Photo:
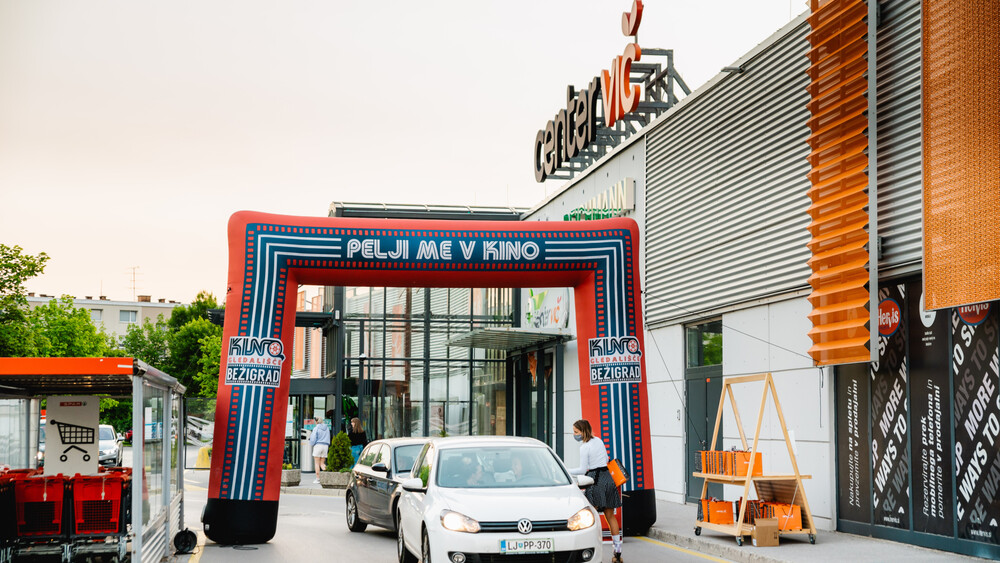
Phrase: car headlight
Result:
[458,522]
[108,452]
[581,520]
[40,456]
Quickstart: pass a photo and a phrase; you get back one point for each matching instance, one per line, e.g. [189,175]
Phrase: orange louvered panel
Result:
[839,176]
[961,116]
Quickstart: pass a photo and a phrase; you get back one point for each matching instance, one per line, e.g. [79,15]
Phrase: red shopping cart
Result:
[73,435]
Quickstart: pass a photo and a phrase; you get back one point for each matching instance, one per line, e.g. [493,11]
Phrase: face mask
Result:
[578,437]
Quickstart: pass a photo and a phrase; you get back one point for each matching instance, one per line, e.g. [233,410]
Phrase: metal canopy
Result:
[508,339]
[37,377]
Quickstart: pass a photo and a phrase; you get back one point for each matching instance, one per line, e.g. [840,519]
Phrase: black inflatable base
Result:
[240,522]
[638,511]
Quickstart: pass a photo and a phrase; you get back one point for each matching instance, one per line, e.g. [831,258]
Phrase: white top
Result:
[593,455]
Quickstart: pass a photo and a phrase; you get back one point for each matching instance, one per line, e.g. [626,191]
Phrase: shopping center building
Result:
[823,210]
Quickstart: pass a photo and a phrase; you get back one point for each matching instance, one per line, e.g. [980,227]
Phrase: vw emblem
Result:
[524,526]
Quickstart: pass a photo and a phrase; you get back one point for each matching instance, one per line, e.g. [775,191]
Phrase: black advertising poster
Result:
[930,405]
[853,461]
[976,373]
[890,443]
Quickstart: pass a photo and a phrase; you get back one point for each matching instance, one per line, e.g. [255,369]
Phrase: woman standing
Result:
[319,439]
[603,494]
[358,438]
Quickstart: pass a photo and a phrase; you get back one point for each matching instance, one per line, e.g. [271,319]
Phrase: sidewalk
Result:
[308,487]
[675,525]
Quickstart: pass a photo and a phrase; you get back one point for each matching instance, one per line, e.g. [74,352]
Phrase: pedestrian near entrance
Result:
[320,442]
[358,438]
[603,494]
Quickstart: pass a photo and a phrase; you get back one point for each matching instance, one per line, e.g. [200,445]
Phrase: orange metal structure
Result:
[838,90]
[961,121]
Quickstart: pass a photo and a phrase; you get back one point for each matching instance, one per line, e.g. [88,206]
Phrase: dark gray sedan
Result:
[374,489]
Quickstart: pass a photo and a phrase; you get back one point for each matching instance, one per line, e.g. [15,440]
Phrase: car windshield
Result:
[500,467]
[41,434]
[107,433]
[403,456]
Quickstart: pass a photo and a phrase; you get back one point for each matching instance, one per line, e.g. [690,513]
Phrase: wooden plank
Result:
[728,529]
[806,512]
[745,378]
[715,432]
[736,413]
[734,479]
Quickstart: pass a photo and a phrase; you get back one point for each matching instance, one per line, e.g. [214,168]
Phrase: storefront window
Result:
[704,344]
[397,354]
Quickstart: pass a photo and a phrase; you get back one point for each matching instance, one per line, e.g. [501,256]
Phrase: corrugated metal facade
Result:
[898,121]
[726,182]
[727,177]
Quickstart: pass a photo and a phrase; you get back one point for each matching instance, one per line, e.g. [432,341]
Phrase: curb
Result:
[313,492]
[726,549]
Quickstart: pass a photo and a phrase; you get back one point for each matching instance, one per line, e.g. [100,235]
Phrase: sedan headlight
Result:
[112,451]
[458,522]
[581,520]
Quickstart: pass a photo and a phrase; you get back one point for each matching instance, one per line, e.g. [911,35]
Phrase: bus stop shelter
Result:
[157,500]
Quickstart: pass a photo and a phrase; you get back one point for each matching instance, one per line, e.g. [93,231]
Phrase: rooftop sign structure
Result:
[612,107]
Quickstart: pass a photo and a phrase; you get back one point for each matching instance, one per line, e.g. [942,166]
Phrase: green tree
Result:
[117,413]
[15,269]
[148,341]
[185,352]
[17,339]
[208,366]
[63,331]
[198,309]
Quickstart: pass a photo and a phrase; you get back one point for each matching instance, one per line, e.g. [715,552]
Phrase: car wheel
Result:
[402,553]
[425,549]
[354,522]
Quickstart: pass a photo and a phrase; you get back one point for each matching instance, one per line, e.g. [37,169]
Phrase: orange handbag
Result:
[618,474]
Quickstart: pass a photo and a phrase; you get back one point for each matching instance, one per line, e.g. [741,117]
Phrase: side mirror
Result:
[584,481]
[380,467]
[415,485]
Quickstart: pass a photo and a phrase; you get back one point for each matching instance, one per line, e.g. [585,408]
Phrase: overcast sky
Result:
[131,131]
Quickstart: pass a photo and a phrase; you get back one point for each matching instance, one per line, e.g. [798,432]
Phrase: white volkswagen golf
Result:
[493,498]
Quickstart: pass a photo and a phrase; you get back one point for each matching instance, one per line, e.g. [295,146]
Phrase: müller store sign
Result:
[574,128]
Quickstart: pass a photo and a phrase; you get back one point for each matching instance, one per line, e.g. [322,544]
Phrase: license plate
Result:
[539,545]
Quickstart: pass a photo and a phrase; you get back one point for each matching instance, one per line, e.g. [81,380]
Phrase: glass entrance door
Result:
[534,396]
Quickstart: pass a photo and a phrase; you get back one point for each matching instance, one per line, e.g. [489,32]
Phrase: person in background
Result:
[603,494]
[358,438]
[319,439]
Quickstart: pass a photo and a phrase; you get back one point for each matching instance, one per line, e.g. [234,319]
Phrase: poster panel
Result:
[853,459]
[976,373]
[890,443]
[930,403]
[71,438]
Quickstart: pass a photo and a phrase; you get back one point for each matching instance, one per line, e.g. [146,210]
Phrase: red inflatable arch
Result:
[270,255]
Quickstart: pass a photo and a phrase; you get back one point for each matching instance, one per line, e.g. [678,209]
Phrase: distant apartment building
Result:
[115,316]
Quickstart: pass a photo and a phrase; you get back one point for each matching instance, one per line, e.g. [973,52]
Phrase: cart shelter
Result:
[157,504]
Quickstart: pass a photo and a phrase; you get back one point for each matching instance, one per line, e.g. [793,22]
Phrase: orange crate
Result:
[789,515]
[716,511]
[741,461]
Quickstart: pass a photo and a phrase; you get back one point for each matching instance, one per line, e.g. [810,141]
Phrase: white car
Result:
[478,498]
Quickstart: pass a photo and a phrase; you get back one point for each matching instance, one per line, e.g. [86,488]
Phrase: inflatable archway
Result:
[270,255]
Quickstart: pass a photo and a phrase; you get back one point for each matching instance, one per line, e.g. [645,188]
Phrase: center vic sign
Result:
[574,128]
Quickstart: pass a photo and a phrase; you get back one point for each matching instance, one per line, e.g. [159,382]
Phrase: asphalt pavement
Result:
[311,526]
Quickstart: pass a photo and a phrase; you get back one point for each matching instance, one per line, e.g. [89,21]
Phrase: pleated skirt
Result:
[603,493]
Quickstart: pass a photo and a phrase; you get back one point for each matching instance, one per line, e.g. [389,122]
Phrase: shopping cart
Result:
[72,435]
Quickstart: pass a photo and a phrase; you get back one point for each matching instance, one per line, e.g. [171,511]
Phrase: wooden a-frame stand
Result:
[778,488]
